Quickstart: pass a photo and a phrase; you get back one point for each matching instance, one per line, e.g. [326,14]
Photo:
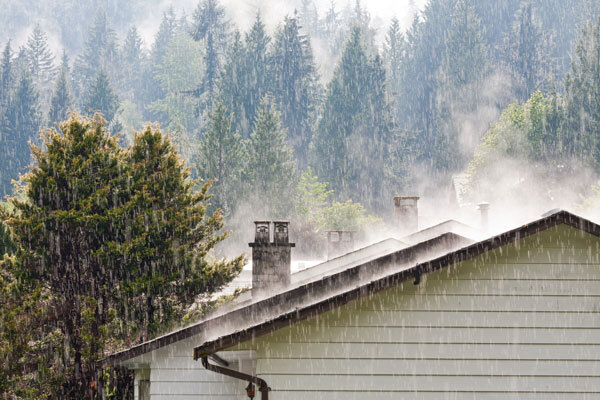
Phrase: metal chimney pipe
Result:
[484,208]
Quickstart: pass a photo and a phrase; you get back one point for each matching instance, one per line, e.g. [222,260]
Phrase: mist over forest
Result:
[312,111]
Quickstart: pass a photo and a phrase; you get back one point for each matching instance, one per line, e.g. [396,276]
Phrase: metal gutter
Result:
[263,388]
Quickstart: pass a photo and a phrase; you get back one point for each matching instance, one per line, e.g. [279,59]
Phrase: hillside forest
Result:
[136,164]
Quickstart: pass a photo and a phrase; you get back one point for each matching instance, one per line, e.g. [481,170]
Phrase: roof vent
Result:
[339,243]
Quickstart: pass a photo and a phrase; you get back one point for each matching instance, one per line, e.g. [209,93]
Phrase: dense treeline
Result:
[411,107]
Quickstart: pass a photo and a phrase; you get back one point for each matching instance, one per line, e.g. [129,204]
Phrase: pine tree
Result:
[222,158]
[21,125]
[101,97]
[526,54]
[231,84]
[100,53]
[153,88]
[118,238]
[255,76]
[270,172]
[6,74]
[168,268]
[394,52]
[133,59]
[40,57]
[353,134]
[62,99]
[294,86]
[580,130]
[209,20]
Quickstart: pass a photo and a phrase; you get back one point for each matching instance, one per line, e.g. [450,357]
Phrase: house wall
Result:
[519,322]
[174,374]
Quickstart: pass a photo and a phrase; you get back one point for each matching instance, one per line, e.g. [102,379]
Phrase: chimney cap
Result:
[484,205]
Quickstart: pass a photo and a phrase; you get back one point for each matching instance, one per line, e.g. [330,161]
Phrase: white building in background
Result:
[438,314]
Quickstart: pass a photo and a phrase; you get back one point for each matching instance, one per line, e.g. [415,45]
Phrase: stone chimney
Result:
[406,213]
[484,209]
[271,261]
[339,243]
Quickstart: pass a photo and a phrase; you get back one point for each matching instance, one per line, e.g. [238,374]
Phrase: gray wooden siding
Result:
[519,322]
[175,375]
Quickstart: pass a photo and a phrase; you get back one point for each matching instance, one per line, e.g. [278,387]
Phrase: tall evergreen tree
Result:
[133,59]
[270,172]
[580,131]
[255,73]
[21,125]
[353,134]
[231,83]
[221,158]
[6,74]
[153,88]
[114,242]
[394,52]
[294,85]
[100,53]
[101,97]
[40,57]
[62,99]
[526,54]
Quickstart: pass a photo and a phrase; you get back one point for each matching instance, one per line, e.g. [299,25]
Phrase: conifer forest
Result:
[140,139]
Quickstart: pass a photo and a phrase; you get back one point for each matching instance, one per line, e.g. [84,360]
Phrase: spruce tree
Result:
[62,99]
[270,172]
[353,135]
[115,242]
[580,130]
[133,59]
[6,74]
[231,83]
[255,78]
[40,57]
[100,53]
[526,54]
[20,126]
[294,86]
[221,158]
[101,97]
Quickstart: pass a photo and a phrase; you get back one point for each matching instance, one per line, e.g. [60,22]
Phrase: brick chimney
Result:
[271,261]
[339,243]
[406,213]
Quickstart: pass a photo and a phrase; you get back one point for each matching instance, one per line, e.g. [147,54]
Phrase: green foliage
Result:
[19,124]
[114,242]
[99,54]
[6,244]
[269,174]
[40,57]
[527,54]
[315,207]
[101,98]
[181,68]
[222,158]
[62,100]
[294,85]
[352,138]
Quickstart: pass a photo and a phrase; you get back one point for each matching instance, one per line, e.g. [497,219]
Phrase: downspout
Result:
[262,384]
